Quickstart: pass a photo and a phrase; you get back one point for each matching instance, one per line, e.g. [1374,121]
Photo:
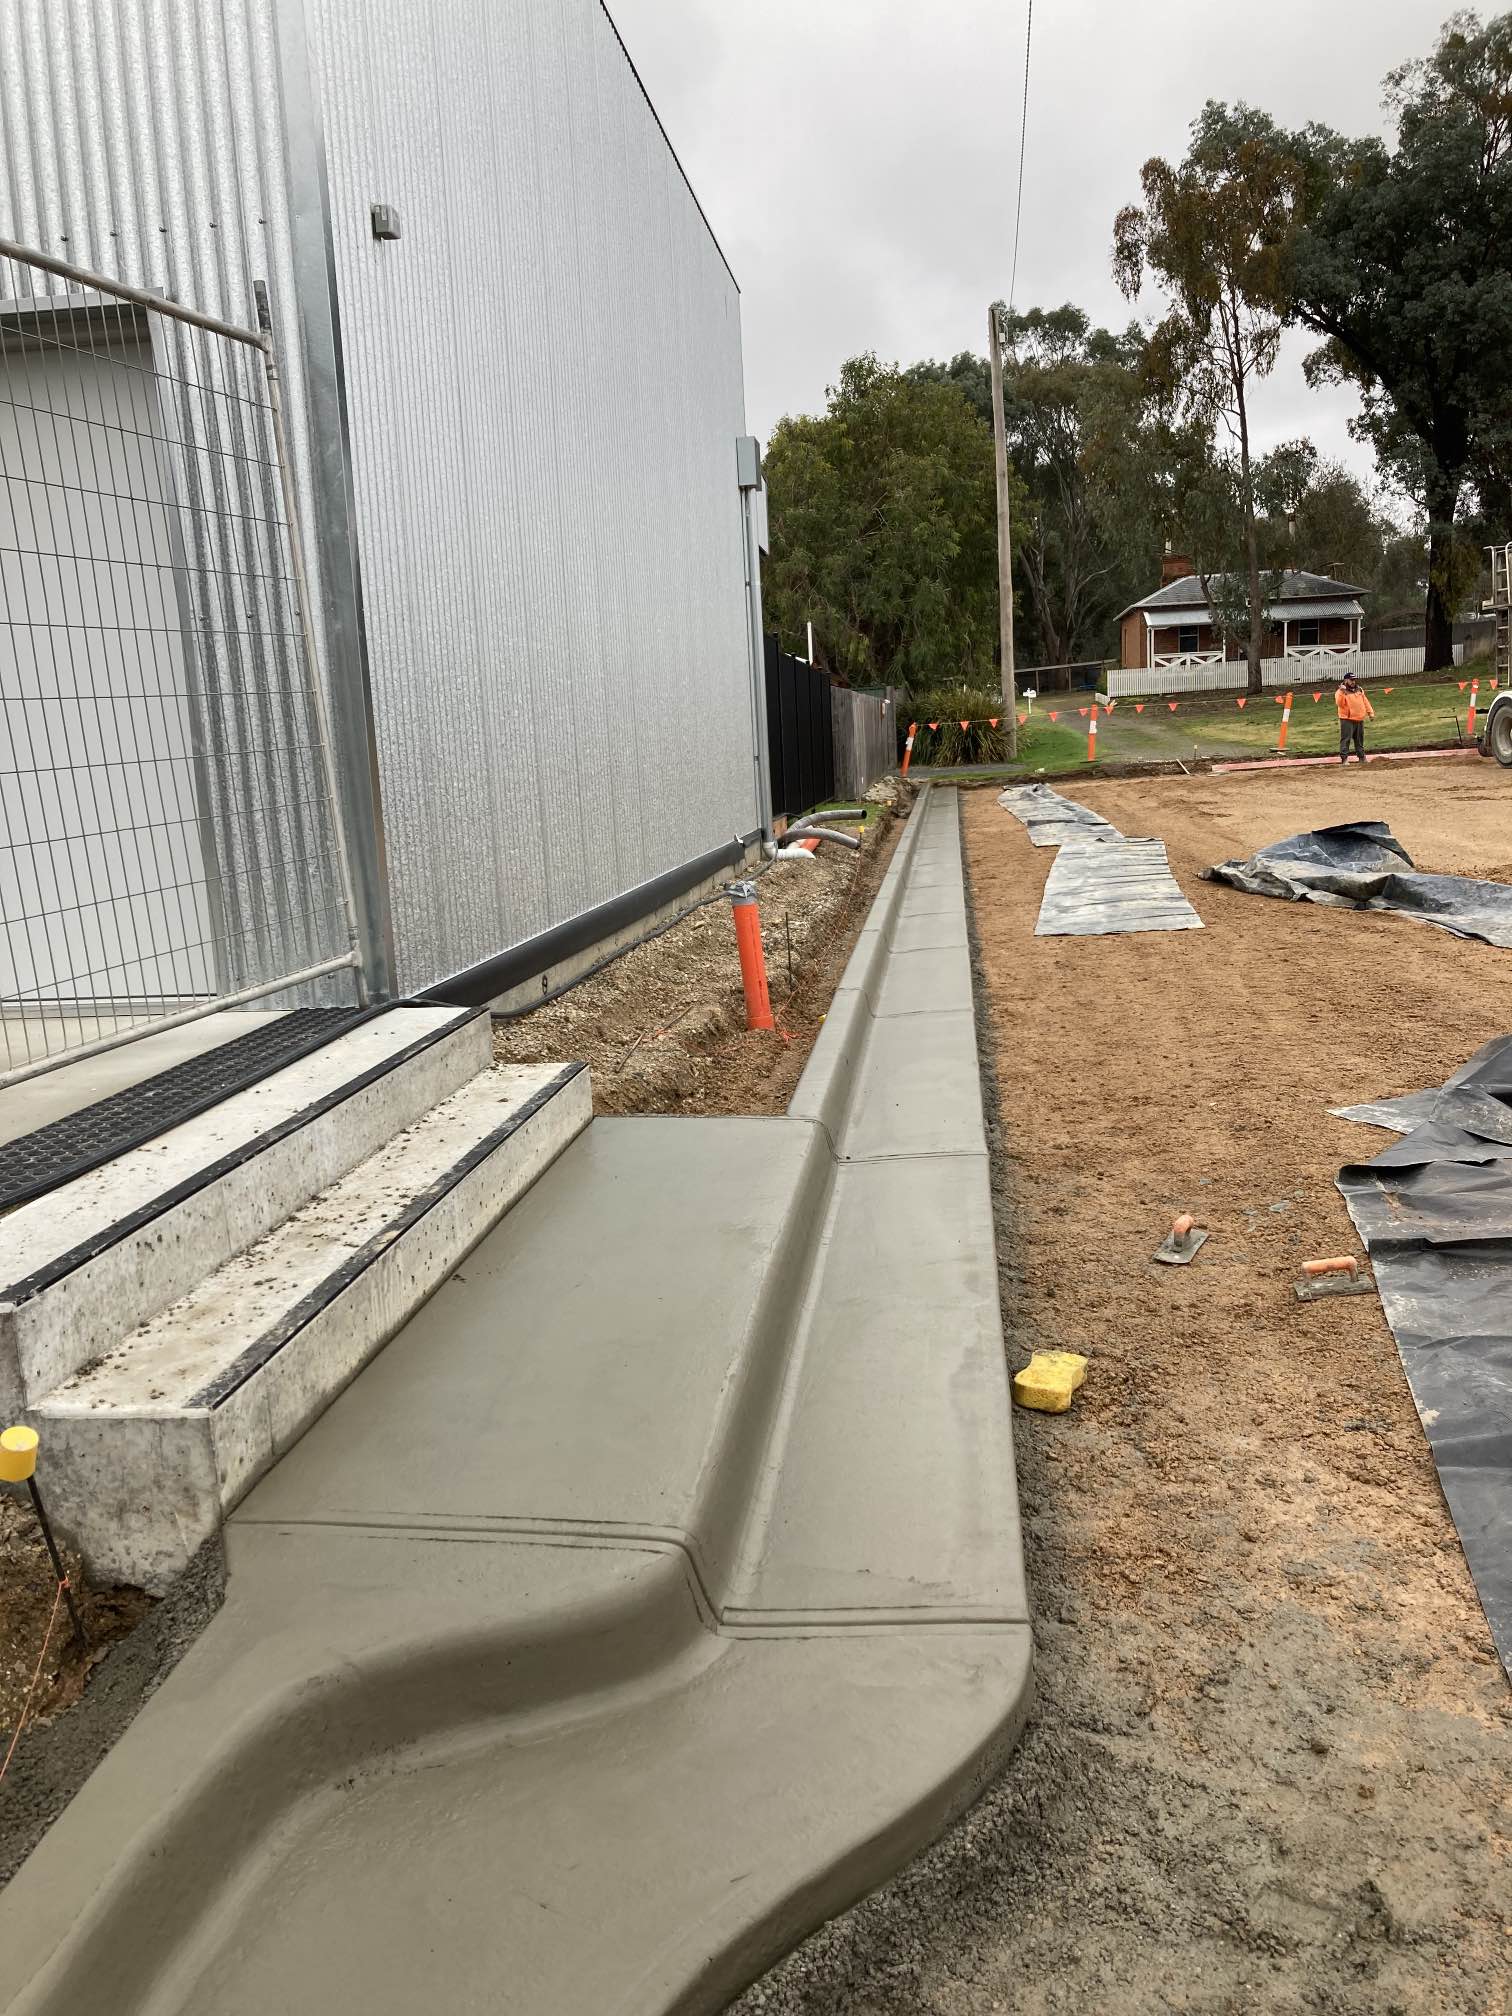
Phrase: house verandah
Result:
[1312,619]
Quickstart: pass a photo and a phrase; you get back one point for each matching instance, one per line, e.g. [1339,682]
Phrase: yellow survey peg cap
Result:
[18,1454]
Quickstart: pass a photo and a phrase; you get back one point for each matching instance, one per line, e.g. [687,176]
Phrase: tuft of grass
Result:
[946,745]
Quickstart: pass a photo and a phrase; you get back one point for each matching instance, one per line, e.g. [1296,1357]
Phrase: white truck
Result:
[1495,738]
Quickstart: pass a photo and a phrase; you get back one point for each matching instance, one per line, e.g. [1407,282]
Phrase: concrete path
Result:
[656,1592]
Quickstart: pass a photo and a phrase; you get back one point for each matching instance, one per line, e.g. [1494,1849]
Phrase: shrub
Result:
[950,744]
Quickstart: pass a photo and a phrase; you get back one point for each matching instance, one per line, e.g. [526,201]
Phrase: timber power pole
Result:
[1005,532]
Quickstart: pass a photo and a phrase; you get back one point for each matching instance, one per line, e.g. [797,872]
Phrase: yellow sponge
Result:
[1048,1381]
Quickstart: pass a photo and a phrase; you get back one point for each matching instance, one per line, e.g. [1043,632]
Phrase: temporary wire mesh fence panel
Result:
[168,836]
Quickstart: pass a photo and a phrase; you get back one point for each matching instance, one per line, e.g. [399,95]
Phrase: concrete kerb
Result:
[845,1737]
[825,1091]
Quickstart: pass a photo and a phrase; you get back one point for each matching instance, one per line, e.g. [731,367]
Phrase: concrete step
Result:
[114,1248]
[153,1443]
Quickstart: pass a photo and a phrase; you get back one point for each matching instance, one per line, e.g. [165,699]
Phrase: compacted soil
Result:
[1270,1766]
[663,1026]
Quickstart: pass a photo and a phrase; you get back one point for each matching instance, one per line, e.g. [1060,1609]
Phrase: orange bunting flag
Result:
[1463,684]
[1053,715]
[1240,703]
[965,724]
[1139,706]
[1386,689]
[934,724]
[1277,698]
[1109,706]
[993,719]
[1316,698]
[1083,712]
[1172,705]
[1022,719]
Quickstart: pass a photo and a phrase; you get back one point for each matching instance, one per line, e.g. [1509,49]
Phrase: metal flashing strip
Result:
[536,956]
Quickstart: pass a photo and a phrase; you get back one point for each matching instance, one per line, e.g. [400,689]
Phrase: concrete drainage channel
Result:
[655,1593]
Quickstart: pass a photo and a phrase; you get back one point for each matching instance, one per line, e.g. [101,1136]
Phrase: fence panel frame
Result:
[195,444]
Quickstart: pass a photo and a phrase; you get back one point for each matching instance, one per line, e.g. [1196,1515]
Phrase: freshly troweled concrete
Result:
[654,1593]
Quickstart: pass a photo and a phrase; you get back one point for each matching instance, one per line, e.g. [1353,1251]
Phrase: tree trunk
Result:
[1438,612]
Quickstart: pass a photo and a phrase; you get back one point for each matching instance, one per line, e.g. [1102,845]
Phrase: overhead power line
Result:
[1018,208]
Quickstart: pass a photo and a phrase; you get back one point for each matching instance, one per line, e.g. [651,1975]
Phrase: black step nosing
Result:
[265,1348]
[34,1284]
[34,1164]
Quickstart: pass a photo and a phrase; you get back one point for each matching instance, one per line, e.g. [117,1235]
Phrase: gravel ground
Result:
[1270,1766]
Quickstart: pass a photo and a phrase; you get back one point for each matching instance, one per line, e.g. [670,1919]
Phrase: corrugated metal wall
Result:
[544,387]
[544,381]
[144,139]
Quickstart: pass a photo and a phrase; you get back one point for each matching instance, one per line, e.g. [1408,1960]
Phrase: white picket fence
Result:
[1326,669]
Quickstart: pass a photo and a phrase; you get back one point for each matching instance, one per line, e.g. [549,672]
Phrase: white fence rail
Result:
[1275,673]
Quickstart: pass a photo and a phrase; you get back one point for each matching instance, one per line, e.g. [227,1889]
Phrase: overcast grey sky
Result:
[858,158]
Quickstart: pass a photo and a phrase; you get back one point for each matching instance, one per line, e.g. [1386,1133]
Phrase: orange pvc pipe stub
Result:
[758,1005]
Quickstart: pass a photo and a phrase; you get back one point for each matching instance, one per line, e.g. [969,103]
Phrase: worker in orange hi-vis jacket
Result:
[1354,711]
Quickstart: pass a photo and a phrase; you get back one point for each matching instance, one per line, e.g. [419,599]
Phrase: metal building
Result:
[512,367]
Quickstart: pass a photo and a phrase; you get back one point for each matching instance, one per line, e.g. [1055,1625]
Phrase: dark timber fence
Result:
[800,733]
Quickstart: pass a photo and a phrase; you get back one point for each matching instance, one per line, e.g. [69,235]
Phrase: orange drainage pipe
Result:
[1285,724]
[913,729]
[758,1004]
[1092,735]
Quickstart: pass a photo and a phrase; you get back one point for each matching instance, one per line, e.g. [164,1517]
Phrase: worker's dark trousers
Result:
[1351,733]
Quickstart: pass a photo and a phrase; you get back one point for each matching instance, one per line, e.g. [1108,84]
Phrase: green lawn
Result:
[1415,713]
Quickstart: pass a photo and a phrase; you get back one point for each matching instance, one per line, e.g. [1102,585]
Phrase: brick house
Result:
[1312,618]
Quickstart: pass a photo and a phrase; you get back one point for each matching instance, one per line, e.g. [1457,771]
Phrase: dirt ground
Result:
[28,1587]
[1270,1766]
[663,1027]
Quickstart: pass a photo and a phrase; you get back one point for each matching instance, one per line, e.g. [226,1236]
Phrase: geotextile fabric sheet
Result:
[1101,883]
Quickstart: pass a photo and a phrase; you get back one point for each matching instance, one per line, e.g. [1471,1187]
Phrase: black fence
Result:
[800,733]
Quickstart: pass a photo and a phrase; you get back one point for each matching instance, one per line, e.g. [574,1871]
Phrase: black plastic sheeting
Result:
[1435,1212]
[1362,866]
